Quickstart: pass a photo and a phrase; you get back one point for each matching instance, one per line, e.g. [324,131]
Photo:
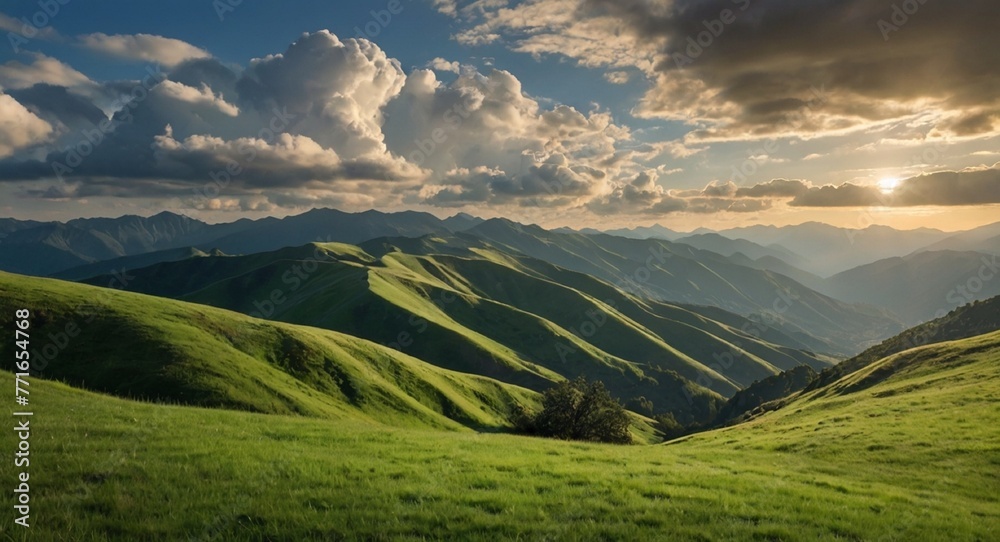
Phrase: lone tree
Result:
[578,410]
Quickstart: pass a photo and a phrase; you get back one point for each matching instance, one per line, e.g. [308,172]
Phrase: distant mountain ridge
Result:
[676,272]
[740,270]
[47,248]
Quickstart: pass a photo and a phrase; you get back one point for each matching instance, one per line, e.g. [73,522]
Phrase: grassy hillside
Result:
[138,346]
[913,453]
[487,312]
[976,318]
[126,263]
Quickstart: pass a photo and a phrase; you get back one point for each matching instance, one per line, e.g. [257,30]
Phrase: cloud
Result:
[618,77]
[25,30]
[19,128]
[742,69]
[541,185]
[777,188]
[43,69]
[64,110]
[448,7]
[289,161]
[307,120]
[973,186]
[197,96]
[146,47]
[642,195]
[442,65]
[338,88]
[483,139]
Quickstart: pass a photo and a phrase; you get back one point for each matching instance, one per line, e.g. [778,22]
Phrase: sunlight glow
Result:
[888,185]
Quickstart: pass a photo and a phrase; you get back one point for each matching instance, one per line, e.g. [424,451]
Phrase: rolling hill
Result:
[123,264]
[481,311]
[976,318]
[907,449]
[673,272]
[142,347]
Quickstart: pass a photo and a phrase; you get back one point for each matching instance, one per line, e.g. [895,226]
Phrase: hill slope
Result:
[974,319]
[914,456]
[486,312]
[144,347]
[674,272]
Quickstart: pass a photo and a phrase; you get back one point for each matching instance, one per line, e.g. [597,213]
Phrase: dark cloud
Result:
[777,188]
[845,195]
[543,185]
[57,104]
[946,188]
[760,63]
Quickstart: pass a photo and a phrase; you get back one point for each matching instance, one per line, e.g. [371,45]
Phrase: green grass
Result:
[907,450]
[140,346]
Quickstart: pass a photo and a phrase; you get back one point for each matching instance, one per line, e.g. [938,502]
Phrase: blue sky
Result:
[580,114]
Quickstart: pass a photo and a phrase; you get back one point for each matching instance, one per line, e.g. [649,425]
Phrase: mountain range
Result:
[903,277]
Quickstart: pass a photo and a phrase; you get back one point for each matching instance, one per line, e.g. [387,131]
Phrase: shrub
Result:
[577,410]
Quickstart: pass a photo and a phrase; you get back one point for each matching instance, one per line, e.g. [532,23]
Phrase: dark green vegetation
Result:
[907,449]
[967,321]
[468,306]
[770,389]
[577,410]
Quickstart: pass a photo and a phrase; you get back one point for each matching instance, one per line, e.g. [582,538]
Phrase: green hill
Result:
[482,311]
[676,272]
[143,347]
[770,389]
[907,450]
[967,321]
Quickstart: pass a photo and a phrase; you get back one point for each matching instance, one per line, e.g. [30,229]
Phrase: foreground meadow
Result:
[916,456]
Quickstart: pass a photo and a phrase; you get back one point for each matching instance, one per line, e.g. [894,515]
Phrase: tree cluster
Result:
[577,410]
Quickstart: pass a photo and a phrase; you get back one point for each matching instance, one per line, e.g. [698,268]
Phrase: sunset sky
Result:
[580,113]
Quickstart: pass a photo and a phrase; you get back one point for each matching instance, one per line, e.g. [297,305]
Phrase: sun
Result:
[888,185]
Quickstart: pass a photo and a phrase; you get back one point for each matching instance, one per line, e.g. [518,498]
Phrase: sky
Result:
[579,113]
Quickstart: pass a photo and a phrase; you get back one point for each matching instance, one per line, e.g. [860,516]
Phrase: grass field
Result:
[907,450]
